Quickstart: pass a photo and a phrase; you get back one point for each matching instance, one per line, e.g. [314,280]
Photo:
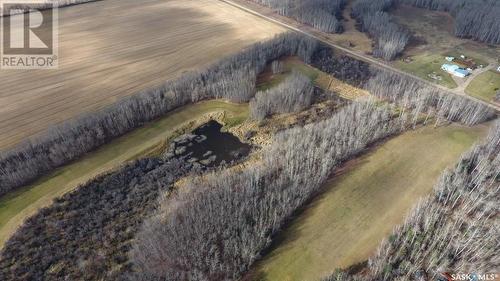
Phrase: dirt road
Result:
[329,39]
[115,48]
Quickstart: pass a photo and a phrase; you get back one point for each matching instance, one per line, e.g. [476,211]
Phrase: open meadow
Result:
[485,86]
[115,48]
[433,40]
[17,206]
[360,206]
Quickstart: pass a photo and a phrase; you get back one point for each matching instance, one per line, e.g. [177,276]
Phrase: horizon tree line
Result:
[475,19]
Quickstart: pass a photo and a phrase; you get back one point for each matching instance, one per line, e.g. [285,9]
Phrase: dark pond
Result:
[208,146]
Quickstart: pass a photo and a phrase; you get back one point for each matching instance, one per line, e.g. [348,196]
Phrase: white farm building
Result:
[455,70]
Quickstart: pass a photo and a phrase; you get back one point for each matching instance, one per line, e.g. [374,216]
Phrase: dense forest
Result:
[294,94]
[323,15]
[232,78]
[373,18]
[475,19]
[455,229]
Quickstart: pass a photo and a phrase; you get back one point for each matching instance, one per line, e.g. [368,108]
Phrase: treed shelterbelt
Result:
[453,230]
[218,225]
[232,79]
[293,95]
[373,18]
[324,15]
[475,19]
[424,99]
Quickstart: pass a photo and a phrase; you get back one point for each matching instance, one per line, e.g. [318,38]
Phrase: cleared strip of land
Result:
[360,207]
[17,206]
[115,48]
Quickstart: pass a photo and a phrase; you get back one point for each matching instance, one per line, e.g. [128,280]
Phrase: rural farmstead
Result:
[250,140]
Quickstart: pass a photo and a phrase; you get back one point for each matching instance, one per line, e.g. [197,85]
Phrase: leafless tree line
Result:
[215,227]
[453,230]
[323,15]
[422,99]
[476,19]
[232,78]
[46,4]
[372,17]
[294,94]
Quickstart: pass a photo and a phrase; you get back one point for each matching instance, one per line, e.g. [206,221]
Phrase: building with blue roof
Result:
[455,70]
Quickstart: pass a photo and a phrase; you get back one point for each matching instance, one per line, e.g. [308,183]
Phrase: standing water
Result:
[208,146]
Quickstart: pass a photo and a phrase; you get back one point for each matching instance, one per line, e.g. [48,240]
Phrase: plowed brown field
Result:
[114,48]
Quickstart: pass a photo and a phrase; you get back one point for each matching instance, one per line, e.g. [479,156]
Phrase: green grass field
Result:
[485,86]
[425,64]
[18,205]
[359,207]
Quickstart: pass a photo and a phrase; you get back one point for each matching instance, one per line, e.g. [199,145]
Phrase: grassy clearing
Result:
[148,140]
[425,64]
[268,80]
[434,39]
[321,79]
[485,85]
[457,54]
[359,208]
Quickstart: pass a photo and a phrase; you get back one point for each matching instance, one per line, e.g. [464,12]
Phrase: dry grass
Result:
[115,48]
[351,37]
[360,207]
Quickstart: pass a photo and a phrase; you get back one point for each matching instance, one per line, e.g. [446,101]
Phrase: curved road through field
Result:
[461,88]
[321,36]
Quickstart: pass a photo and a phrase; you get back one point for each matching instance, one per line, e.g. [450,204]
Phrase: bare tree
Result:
[418,98]
[320,14]
[232,78]
[453,230]
[292,95]
[216,226]
[373,18]
[476,19]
